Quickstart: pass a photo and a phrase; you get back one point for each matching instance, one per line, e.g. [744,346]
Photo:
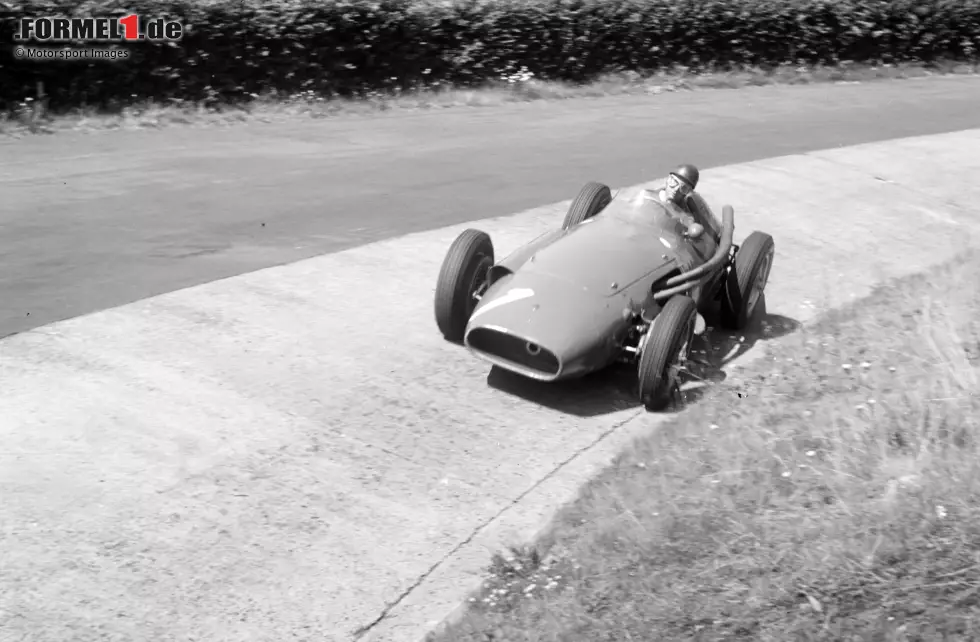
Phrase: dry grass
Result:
[521,87]
[832,492]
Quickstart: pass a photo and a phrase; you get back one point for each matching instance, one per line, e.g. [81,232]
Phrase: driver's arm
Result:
[701,211]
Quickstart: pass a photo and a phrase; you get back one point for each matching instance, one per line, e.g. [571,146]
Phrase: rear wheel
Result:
[746,280]
[462,280]
[591,200]
[665,349]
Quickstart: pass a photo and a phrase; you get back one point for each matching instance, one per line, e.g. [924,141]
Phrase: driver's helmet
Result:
[681,182]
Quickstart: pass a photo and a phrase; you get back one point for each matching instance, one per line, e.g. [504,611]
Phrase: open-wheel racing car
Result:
[622,280]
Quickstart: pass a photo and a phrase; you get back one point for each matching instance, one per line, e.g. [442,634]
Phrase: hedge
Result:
[234,49]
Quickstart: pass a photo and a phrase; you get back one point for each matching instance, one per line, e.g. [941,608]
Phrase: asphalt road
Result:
[94,221]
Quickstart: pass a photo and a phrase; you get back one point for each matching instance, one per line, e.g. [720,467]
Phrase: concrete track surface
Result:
[126,215]
[295,453]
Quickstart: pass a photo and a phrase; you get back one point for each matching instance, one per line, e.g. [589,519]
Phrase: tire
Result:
[591,200]
[462,276]
[747,280]
[668,341]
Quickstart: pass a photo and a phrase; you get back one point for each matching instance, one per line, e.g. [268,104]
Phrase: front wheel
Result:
[747,280]
[665,349]
[591,200]
[462,280]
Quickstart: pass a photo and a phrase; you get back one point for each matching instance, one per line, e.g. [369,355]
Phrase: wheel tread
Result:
[450,302]
[591,200]
[664,341]
[744,274]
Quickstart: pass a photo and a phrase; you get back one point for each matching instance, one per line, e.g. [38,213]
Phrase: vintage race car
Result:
[623,279]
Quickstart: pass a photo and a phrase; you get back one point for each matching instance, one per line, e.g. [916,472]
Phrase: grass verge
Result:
[30,117]
[828,491]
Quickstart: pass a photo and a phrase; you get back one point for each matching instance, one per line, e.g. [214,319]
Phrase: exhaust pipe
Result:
[687,280]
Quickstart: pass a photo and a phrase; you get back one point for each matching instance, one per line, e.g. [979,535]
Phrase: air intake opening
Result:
[517,351]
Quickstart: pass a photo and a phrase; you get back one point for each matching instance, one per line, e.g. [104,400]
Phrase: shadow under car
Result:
[614,388]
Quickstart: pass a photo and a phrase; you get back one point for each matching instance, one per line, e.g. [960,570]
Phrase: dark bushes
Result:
[236,48]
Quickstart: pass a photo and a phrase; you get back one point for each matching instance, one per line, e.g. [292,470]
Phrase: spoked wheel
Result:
[591,199]
[665,350]
[463,279]
[747,280]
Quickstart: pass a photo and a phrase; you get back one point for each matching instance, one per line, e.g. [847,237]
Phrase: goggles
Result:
[678,185]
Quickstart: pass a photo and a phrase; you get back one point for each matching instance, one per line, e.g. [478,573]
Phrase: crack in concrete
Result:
[364,630]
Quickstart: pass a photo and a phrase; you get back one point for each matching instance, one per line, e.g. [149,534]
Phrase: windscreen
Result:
[644,204]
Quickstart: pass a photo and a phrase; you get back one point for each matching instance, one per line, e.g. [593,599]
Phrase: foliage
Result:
[235,49]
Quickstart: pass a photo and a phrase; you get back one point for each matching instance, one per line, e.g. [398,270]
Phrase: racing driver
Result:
[678,189]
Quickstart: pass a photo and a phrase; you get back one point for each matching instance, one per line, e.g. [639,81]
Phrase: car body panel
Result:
[513,261]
